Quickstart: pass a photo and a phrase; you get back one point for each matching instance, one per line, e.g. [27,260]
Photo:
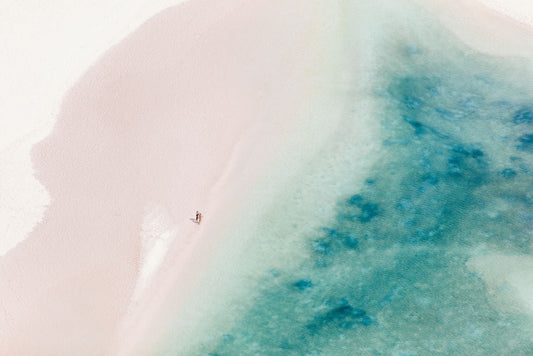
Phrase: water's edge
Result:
[389,272]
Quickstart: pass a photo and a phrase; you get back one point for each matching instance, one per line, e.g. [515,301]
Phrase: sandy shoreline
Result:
[163,129]
[150,124]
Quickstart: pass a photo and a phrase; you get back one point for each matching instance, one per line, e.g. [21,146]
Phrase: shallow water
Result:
[388,274]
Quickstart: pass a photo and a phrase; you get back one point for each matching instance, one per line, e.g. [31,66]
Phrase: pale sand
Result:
[46,47]
[484,28]
[201,95]
[509,279]
[519,10]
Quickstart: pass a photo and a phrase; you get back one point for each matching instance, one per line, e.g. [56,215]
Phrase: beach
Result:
[262,116]
[210,142]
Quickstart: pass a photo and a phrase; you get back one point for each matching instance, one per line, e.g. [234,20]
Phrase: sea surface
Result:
[387,271]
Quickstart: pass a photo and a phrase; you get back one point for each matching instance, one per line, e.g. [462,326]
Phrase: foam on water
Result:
[395,268]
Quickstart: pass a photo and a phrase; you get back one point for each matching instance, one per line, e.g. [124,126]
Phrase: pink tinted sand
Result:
[483,28]
[184,113]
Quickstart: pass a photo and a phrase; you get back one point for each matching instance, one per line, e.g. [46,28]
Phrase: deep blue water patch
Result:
[526,143]
[524,115]
[389,274]
[508,173]
[303,284]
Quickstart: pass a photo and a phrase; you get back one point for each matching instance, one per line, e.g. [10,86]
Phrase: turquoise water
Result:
[388,274]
